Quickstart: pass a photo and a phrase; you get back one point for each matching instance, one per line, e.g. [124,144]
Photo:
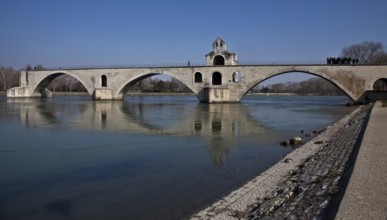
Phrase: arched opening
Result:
[103,81]
[155,83]
[236,76]
[298,83]
[198,77]
[218,60]
[216,78]
[59,82]
[380,85]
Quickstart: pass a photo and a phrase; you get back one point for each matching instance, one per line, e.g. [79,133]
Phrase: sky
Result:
[60,33]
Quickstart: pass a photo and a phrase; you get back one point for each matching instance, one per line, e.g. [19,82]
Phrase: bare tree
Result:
[39,67]
[3,81]
[70,81]
[380,59]
[146,84]
[367,52]
[56,83]
[8,78]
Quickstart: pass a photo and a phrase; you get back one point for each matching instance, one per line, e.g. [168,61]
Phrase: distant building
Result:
[220,56]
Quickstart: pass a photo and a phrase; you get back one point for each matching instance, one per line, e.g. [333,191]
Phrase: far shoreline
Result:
[2,93]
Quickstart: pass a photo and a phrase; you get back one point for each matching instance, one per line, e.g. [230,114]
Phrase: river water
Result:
[147,157]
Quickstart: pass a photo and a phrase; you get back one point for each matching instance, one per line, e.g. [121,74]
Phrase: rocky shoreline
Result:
[305,184]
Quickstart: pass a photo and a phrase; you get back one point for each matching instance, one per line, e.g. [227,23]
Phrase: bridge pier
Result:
[103,93]
[24,92]
[18,92]
[219,94]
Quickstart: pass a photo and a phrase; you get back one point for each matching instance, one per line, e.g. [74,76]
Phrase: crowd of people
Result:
[342,60]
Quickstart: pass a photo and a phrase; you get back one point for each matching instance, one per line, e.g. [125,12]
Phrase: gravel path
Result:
[302,184]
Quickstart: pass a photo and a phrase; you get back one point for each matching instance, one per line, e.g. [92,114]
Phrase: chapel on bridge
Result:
[220,56]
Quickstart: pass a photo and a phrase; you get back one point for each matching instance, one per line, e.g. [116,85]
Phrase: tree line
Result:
[153,85]
[311,86]
[67,83]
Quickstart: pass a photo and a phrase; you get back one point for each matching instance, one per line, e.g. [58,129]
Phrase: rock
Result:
[333,190]
[316,179]
[295,141]
[319,142]
[288,160]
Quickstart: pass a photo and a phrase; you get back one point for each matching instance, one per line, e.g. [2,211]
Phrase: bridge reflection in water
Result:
[219,125]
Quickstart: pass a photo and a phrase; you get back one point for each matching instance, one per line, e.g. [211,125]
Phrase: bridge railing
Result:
[125,66]
[282,62]
[194,64]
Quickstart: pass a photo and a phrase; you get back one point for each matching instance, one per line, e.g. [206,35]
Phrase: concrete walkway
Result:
[366,193]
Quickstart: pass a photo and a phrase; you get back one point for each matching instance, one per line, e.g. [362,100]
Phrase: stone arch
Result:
[104,81]
[219,60]
[380,85]
[327,78]
[124,88]
[39,88]
[198,77]
[216,78]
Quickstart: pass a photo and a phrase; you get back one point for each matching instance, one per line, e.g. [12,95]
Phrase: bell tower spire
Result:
[219,45]
[219,56]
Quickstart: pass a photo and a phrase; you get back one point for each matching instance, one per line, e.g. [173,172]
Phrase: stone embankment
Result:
[302,184]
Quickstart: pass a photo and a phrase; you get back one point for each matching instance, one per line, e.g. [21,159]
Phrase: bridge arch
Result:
[320,75]
[124,88]
[41,85]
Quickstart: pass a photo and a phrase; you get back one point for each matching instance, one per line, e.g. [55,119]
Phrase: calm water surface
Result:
[154,157]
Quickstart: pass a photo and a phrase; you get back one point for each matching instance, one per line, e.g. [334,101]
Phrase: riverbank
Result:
[175,94]
[159,94]
[287,94]
[271,94]
[128,94]
[301,185]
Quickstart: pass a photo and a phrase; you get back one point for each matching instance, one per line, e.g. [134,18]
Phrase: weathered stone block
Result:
[215,95]
[18,92]
[103,94]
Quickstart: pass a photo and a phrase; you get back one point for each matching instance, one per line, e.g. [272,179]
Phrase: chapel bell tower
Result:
[220,56]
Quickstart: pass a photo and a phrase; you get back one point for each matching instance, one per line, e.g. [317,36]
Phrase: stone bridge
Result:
[209,83]
[222,79]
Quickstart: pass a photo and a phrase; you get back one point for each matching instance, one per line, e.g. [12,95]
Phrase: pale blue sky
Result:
[119,32]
